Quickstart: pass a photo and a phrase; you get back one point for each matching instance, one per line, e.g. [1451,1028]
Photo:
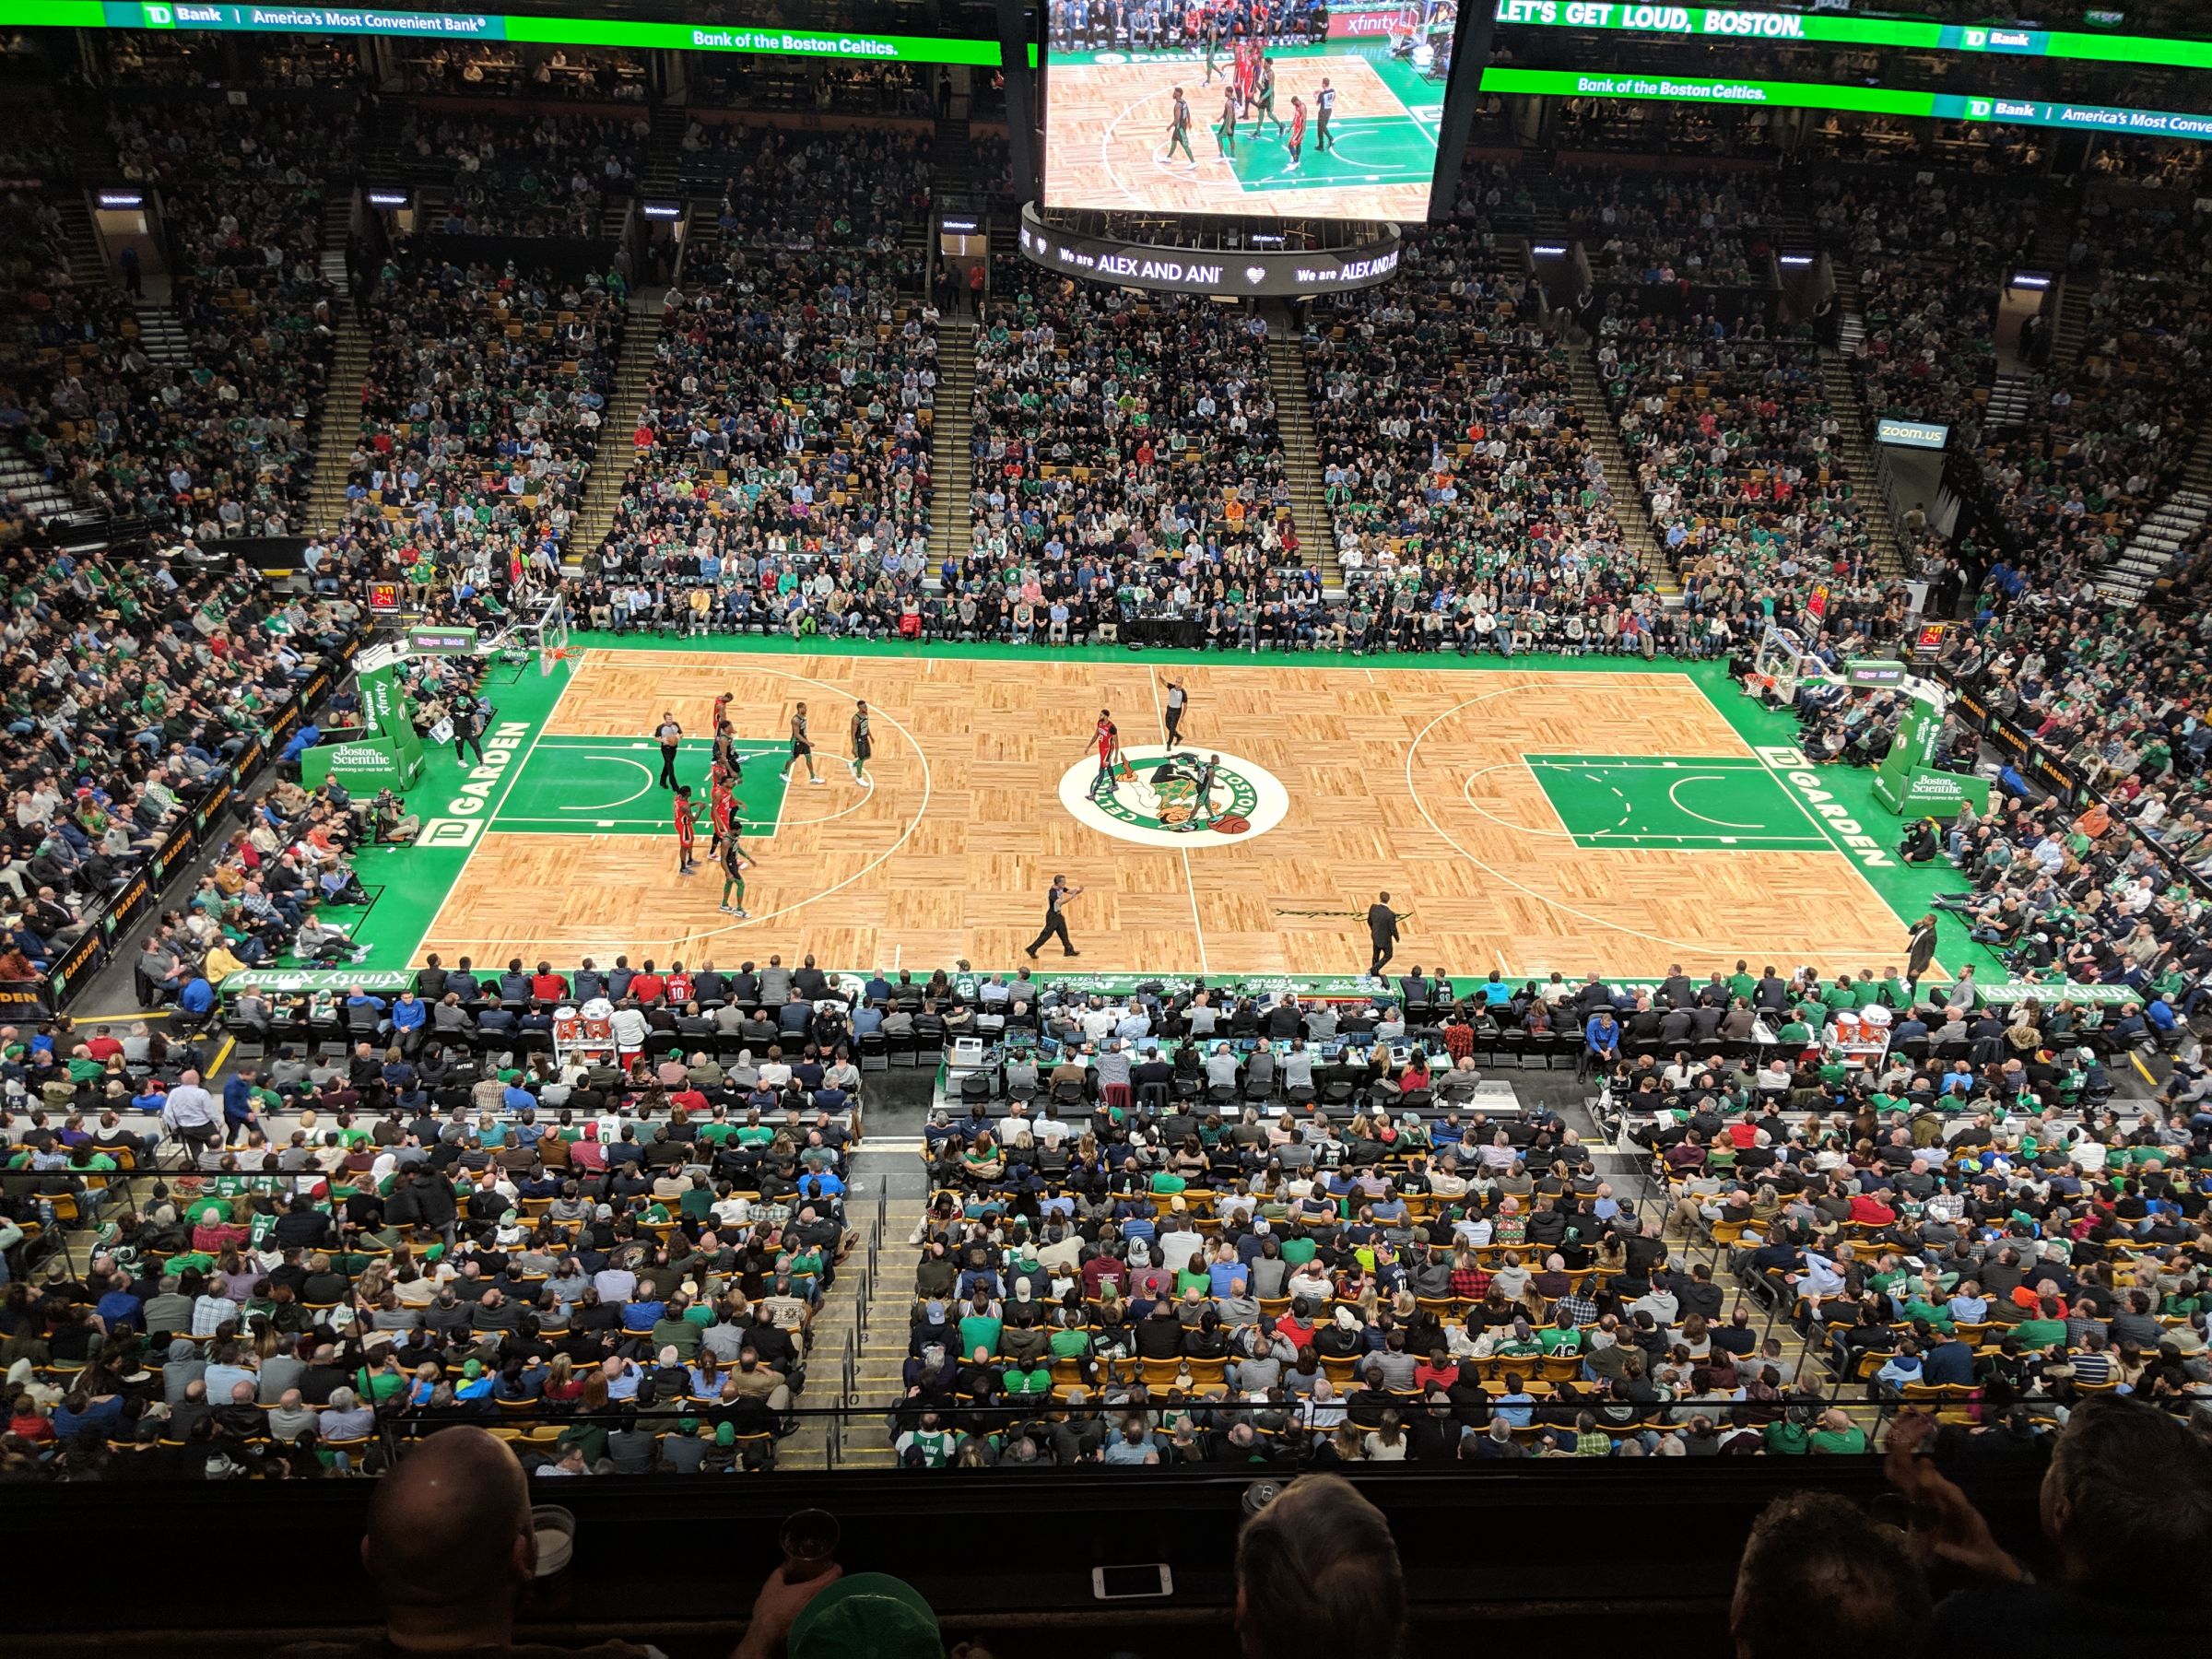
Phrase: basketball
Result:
[1231,823]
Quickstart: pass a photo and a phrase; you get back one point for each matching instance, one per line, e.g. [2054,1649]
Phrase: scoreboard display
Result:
[1195,106]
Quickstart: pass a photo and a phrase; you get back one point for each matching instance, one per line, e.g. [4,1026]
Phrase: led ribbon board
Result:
[1246,273]
[493,26]
[1871,101]
[1730,23]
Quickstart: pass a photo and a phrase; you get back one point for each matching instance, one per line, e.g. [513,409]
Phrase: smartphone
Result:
[1126,1583]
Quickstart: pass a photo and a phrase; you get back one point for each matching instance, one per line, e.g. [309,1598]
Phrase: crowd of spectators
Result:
[1643,128]
[1929,261]
[1945,1228]
[736,81]
[217,445]
[298,63]
[130,689]
[53,332]
[1117,443]
[539,175]
[441,1227]
[780,470]
[480,414]
[478,68]
[35,145]
[1164,1247]
[2114,434]
[1661,228]
[2156,163]
[1728,427]
[1466,500]
[2113,700]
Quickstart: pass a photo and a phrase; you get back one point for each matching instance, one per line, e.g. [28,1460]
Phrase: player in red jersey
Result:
[1297,126]
[686,830]
[1107,737]
[722,811]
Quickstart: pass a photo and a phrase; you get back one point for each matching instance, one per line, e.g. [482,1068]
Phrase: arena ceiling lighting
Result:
[494,26]
[1730,23]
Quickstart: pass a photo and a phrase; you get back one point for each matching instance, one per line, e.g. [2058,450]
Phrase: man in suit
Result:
[1383,933]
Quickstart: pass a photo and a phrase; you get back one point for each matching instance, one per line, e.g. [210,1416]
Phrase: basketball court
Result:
[583,786]
[1531,820]
[1106,136]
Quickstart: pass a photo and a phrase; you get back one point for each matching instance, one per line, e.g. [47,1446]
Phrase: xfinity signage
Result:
[1223,274]
[1911,434]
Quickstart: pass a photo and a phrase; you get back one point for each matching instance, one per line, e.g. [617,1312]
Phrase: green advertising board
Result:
[387,754]
[1928,793]
[1735,23]
[1913,750]
[493,26]
[1867,100]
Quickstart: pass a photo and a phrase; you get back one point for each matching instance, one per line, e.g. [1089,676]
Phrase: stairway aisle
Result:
[2148,557]
[160,335]
[1287,376]
[1629,507]
[664,152]
[86,268]
[337,224]
[1851,309]
[2072,332]
[603,488]
[2012,402]
[339,425]
[1857,448]
[878,1332]
[23,482]
[950,160]
[951,467]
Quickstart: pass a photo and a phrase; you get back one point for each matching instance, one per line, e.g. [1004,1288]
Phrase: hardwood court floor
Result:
[1411,781]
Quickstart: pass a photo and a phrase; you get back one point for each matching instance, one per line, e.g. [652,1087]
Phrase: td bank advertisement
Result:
[494,26]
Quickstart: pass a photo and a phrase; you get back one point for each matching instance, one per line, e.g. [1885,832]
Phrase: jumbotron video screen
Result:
[1201,106]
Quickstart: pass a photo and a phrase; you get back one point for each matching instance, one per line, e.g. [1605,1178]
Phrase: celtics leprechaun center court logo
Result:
[1153,797]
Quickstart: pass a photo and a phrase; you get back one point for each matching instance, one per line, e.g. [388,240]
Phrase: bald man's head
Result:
[449,1527]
